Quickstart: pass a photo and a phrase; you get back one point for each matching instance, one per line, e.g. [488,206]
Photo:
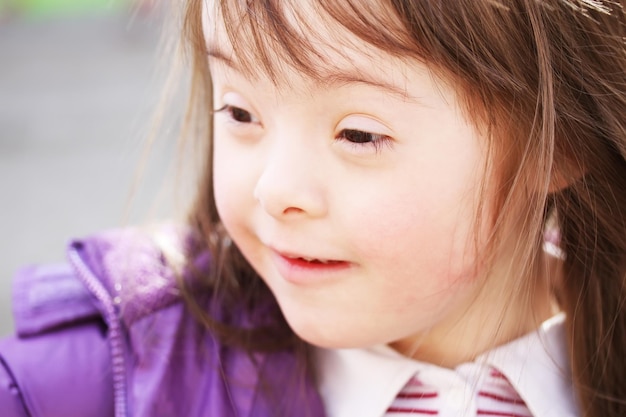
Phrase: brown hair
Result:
[547,81]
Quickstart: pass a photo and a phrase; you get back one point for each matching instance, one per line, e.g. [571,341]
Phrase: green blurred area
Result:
[59,7]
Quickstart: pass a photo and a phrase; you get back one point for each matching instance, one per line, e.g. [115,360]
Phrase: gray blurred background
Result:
[77,88]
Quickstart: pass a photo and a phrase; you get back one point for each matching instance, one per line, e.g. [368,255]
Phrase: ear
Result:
[564,174]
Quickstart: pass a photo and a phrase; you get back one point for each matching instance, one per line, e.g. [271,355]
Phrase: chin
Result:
[328,343]
[330,336]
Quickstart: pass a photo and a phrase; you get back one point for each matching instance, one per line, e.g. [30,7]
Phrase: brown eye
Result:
[240,115]
[361,140]
[359,136]
[237,114]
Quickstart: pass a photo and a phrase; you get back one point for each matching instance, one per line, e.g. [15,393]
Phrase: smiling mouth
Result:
[312,260]
[309,262]
[303,263]
[300,270]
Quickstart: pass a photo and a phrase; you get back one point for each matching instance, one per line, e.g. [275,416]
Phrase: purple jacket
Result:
[107,335]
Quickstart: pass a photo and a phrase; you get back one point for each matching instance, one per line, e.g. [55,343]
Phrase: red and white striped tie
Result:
[495,397]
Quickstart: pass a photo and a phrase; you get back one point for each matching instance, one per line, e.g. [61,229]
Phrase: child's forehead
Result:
[301,38]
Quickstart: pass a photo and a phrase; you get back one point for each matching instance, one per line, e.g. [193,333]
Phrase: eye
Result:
[237,114]
[359,138]
[362,133]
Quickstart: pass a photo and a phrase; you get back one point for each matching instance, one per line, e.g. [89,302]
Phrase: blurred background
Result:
[77,89]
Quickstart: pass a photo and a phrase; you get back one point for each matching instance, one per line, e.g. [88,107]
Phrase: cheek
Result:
[231,185]
[431,236]
[222,182]
[423,264]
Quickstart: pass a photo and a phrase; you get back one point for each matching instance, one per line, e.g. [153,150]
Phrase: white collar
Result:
[537,366]
[364,382]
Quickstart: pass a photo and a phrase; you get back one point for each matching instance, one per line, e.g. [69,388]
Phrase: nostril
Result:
[292,210]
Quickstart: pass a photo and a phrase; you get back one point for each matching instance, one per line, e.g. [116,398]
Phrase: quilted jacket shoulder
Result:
[58,363]
[108,335]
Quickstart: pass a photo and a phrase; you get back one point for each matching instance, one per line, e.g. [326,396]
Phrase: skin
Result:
[378,174]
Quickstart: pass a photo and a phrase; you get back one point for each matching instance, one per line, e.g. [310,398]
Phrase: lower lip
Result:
[301,272]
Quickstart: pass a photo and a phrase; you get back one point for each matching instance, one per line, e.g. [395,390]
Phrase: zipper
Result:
[116,343]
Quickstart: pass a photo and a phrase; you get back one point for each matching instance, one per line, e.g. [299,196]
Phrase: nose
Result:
[290,184]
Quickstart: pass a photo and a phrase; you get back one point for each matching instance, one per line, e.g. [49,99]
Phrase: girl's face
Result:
[353,197]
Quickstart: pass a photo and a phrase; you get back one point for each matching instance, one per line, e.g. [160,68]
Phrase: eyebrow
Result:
[332,79]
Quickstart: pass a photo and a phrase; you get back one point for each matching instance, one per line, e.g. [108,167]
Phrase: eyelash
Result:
[235,113]
[378,143]
[377,140]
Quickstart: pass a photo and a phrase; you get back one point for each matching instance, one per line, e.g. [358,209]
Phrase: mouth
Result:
[308,260]
[306,269]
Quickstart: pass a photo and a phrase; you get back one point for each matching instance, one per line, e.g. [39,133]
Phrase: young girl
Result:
[408,208]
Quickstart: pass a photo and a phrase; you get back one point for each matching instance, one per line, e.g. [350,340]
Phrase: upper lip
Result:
[300,255]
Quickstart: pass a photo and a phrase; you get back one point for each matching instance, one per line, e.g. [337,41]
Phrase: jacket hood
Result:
[131,267]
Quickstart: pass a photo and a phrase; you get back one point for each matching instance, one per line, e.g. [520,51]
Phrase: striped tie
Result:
[494,397]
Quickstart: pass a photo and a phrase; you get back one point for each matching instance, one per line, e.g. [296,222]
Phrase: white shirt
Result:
[364,382]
